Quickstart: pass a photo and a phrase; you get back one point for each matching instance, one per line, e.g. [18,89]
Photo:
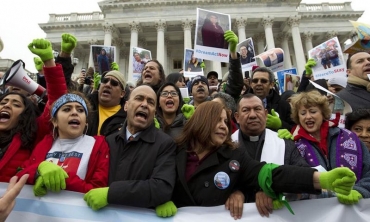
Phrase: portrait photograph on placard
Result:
[291,82]
[329,59]
[247,53]
[192,64]
[273,58]
[140,58]
[103,56]
[209,35]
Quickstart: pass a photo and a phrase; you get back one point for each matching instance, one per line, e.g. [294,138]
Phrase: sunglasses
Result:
[172,93]
[112,81]
[263,81]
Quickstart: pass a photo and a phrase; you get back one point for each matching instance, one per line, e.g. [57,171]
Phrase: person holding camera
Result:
[85,81]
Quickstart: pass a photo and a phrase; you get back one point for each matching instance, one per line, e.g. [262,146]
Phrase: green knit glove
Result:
[285,134]
[186,100]
[97,79]
[232,39]
[69,42]
[202,65]
[188,110]
[352,198]
[277,205]
[339,180]
[167,209]
[39,188]
[38,63]
[310,63]
[273,120]
[97,198]
[156,123]
[53,175]
[41,48]
[114,66]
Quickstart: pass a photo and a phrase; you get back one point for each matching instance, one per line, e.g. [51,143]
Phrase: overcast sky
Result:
[20,19]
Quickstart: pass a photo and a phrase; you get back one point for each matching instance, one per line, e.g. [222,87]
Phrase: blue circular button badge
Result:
[222,180]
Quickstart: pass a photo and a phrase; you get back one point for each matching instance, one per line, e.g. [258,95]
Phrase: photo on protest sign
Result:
[291,82]
[247,53]
[361,41]
[139,58]
[209,35]
[192,64]
[273,59]
[329,59]
[103,56]
[282,79]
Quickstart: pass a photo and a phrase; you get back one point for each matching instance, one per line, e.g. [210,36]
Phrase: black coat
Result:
[201,190]
[234,84]
[175,129]
[141,171]
[111,125]
[357,96]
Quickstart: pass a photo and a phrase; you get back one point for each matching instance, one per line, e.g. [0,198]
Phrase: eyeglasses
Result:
[172,93]
[263,81]
[112,81]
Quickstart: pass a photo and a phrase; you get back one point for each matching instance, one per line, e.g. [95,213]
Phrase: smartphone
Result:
[246,74]
[88,80]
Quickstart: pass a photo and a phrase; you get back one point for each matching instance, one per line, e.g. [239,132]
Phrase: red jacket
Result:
[97,168]
[16,155]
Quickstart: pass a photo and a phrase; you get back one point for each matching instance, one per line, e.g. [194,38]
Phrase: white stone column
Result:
[118,43]
[122,62]
[187,25]
[169,62]
[283,38]
[91,61]
[307,37]
[215,66]
[108,29]
[260,39]
[165,59]
[293,22]
[267,23]
[135,27]
[240,23]
[160,26]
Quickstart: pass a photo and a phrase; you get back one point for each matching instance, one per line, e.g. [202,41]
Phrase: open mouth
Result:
[147,76]
[106,92]
[74,122]
[310,124]
[200,89]
[141,115]
[169,104]
[4,116]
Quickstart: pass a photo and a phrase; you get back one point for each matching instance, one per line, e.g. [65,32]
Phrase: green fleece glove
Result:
[167,209]
[186,100]
[39,188]
[285,134]
[156,123]
[339,180]
[273,120]
[69,42]
[188,110]
[352,198]
[232,39]
[114,66]
[38,63]
[202,65]
[97,79]
[310,63]
[53,175]
[277,205]
[97,198]
[41,48]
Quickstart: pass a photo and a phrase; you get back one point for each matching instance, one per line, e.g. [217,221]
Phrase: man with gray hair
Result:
[262,84]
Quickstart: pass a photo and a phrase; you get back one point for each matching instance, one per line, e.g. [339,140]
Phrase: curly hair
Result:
[309,99]
[26,127]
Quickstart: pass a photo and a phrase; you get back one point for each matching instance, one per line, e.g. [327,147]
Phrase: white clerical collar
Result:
[253,138]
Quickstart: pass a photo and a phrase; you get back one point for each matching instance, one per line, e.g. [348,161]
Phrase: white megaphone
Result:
[17,76]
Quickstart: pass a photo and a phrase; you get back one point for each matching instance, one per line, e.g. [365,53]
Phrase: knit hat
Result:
[197,79]
[338,80]
[118,76]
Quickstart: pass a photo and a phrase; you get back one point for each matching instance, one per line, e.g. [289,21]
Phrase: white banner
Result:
[70,206]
